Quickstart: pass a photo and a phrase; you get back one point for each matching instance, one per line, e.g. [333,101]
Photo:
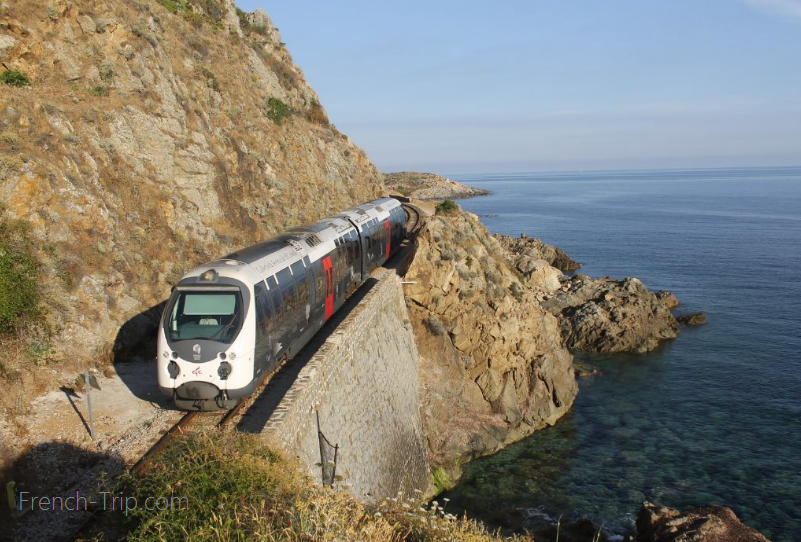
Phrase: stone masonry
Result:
[363,382]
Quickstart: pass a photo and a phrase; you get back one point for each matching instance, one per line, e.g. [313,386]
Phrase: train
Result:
[230,322]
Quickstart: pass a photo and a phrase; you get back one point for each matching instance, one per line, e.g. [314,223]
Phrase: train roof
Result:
[312,240]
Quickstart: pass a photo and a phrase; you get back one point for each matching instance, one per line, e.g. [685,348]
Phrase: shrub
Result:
[277,110]
[446,207]
[107,71]
[211,79]
[174,6]
[99,91]
[316,114]
[230,487]
[15,78]
[19,274]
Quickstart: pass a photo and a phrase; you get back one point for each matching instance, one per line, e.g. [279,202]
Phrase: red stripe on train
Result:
[329,287]
[386,228]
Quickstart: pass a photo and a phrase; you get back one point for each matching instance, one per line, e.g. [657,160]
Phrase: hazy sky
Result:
[529,85]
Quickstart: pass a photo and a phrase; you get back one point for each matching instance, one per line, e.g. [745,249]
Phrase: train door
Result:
[304,297]
[277,343]
[357,255]
[318,308]
[328,272]
[263,354]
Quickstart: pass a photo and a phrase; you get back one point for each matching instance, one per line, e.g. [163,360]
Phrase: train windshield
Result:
[208,315]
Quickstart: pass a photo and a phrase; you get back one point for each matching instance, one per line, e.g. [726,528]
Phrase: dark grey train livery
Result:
[229,322]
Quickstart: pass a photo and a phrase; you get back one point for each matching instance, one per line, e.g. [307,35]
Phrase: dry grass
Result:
[237,489]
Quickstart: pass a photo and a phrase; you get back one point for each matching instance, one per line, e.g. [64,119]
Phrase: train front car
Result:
[207,336]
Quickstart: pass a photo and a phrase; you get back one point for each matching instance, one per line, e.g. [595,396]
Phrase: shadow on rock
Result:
[134,354]
[52,488]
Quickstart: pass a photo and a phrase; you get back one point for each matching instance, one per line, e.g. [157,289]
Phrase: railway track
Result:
[414,221]
[191,422]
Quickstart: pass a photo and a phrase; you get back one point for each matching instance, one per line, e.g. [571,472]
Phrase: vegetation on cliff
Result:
[236,489]
[19,271]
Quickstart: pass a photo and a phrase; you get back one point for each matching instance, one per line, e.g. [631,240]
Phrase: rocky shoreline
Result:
[474,407]
[429,187]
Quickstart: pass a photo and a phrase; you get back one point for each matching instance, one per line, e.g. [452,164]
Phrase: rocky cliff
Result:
[493,365]
[153,136]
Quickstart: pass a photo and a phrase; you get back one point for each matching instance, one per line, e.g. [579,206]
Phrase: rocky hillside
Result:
[493,363]
[146,137]
[428,186]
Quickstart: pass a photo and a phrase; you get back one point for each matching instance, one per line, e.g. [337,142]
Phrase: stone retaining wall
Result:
[363,382]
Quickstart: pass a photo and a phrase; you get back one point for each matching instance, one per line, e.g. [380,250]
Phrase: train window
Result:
[319,278]
[299,274]
[264,322]
[288,296]
[210,315]
[275,294]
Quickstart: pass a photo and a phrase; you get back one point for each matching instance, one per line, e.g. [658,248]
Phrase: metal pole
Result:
[322,448]
[89,406]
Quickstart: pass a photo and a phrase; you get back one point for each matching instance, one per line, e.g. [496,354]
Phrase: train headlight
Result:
[165,355]
[174,355]
[222,355]
[232,356]
[224,370]
[173,369]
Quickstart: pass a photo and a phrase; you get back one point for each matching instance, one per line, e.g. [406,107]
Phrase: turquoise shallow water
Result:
[713,417]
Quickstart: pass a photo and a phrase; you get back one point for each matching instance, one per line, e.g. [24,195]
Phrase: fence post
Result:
[89,406]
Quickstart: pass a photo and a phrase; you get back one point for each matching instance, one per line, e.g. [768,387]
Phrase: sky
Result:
[477,86]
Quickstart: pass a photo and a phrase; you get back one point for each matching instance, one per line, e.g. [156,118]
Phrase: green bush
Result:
[446,207]
[174,6]
[15,78]
[99,91]
[19,274]
[220,487]
[277,110]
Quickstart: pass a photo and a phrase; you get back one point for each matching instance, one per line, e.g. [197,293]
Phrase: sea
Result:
[712,417]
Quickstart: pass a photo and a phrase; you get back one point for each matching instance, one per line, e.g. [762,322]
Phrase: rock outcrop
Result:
[705,524]
[692,319]
[595,315]
[525,248]
[493,363]
[429,187]
[608,315]
[151,140]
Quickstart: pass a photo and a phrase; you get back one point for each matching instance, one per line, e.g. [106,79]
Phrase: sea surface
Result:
[713,417]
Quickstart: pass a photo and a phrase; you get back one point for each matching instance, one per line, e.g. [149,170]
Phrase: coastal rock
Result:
[534,249]
[692,319]
[705,524]
[608,315]
[428,186]
[667,298]
[493,365]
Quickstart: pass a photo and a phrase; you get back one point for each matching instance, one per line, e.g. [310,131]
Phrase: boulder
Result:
[705,524]
[537,250]
[692,319]
[667,298]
